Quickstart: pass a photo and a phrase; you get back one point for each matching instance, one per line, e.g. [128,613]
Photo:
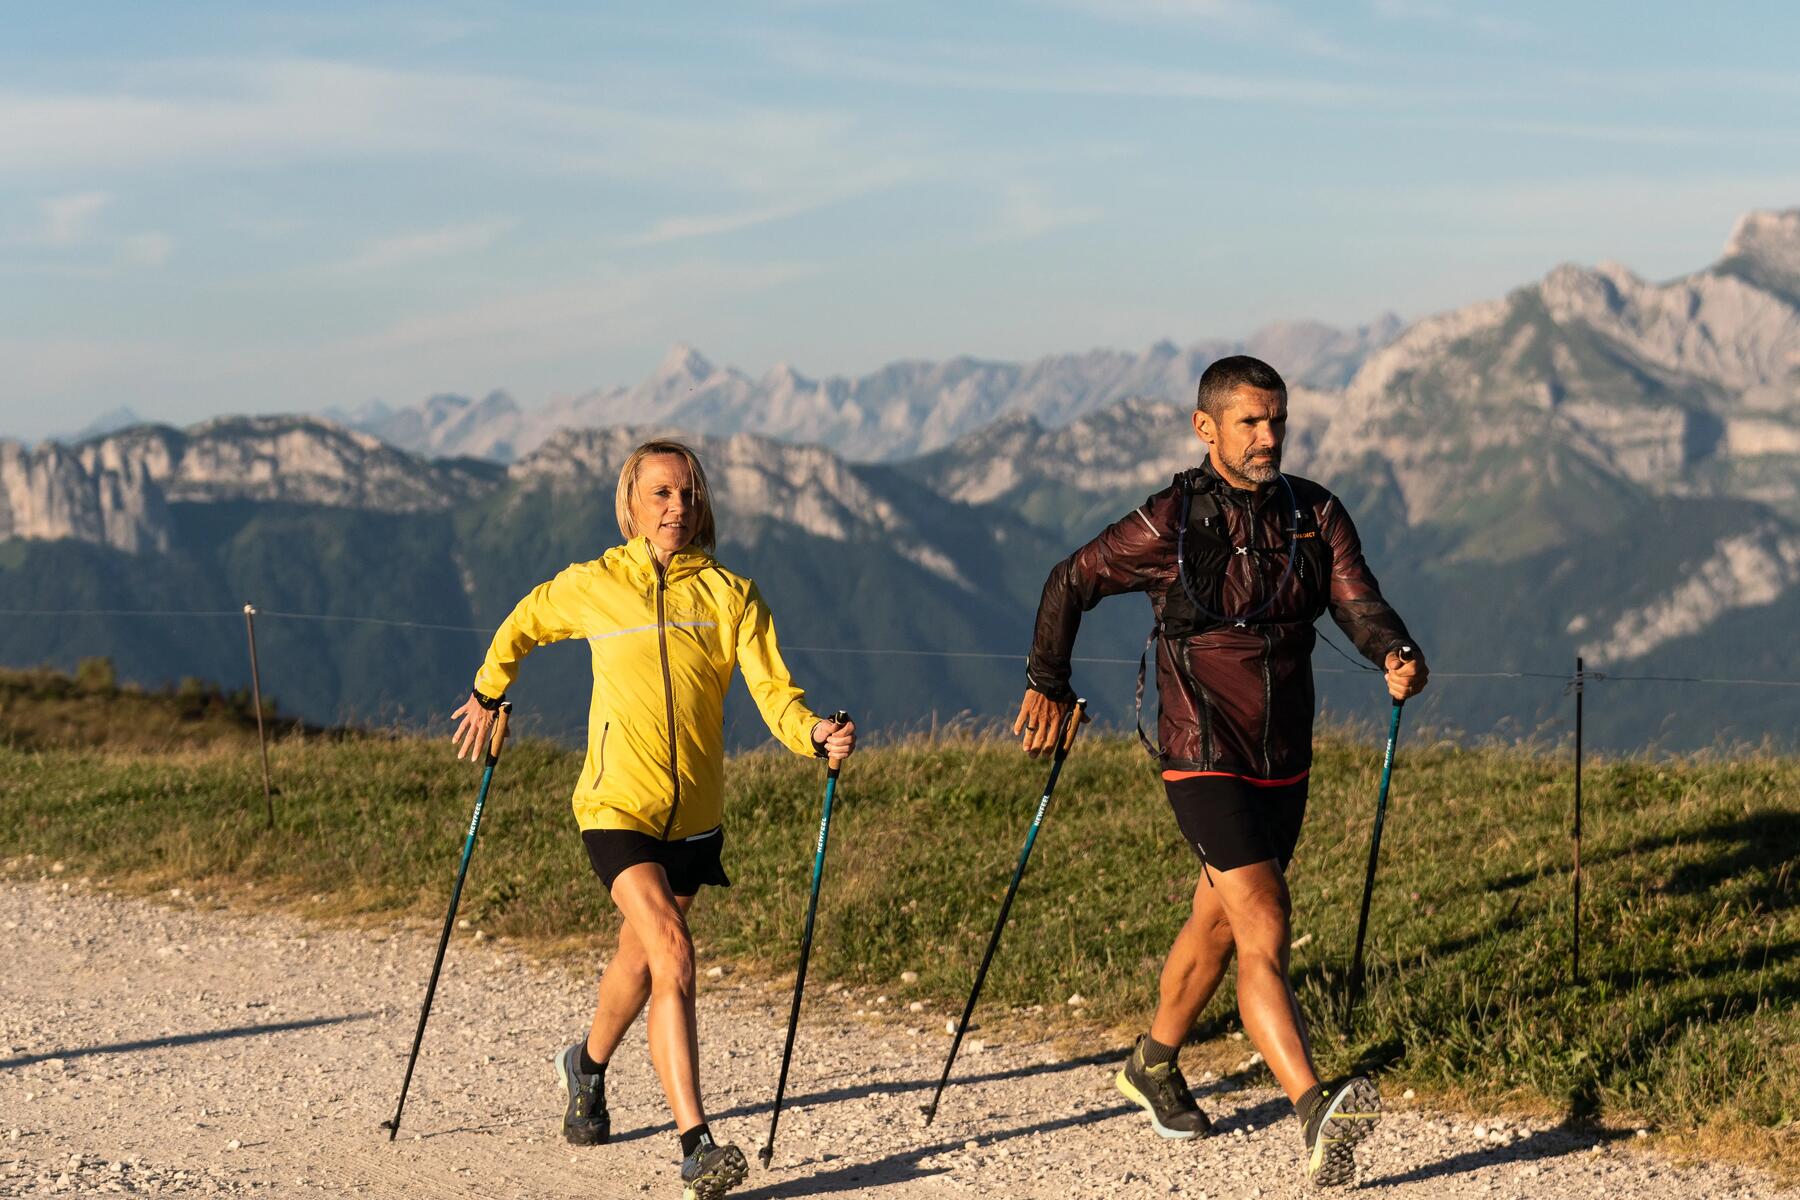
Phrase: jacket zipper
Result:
[662,643]
[600,771]
[1206,754]
[1268,701]
[1252,521]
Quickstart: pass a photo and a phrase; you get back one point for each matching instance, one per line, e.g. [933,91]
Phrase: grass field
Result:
[1684,1017]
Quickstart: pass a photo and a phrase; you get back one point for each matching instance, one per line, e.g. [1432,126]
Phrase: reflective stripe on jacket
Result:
[664,642]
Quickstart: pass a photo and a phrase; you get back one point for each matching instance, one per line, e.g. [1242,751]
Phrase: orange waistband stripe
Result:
[1176,776]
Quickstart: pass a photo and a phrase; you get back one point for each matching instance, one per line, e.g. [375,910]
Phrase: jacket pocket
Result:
[600,769]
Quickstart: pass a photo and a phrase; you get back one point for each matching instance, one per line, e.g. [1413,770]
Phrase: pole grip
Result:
[839,717]
[1076,715]
[497,738]
[1407,654]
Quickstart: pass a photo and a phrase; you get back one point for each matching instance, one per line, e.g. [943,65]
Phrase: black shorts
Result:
[688,862]
[1231,822]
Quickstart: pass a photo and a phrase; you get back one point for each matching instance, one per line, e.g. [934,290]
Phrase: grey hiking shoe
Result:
[1162,1092]
[586,1121]
[712,1170]
[1344,1114]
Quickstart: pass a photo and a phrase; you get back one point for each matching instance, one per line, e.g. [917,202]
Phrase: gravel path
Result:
[173,1049]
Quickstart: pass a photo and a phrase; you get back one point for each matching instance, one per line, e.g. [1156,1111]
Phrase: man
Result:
[1239,561]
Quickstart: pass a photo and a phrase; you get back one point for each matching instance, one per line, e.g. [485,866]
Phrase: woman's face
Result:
[662,503]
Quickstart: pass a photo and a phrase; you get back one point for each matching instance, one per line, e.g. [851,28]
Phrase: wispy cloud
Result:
[807,200]
[1009,72]
[147,249]
[1026,211]
[69,220]
[288,112]
[445,241]
[1247,20]
[1449,16]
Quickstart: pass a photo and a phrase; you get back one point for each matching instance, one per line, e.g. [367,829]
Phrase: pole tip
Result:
[764,1155]
[249,610]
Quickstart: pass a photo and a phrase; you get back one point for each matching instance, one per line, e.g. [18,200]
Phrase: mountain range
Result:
[1593,464]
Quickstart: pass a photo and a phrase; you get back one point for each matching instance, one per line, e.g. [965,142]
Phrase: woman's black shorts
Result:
[1231,822]
[689,862]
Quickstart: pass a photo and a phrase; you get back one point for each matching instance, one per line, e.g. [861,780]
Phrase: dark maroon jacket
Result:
[1234,647]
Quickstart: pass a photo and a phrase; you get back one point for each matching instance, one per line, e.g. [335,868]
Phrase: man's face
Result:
[1245,441]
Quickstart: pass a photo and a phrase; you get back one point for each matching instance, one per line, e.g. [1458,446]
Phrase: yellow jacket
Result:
[664,641]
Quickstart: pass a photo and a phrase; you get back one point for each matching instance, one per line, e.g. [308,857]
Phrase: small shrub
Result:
[95,676]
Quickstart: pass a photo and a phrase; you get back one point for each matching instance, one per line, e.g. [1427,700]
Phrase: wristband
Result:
[489,703]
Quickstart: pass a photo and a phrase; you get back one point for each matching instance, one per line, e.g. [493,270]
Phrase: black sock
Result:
[588,1066]
[1156,1054]
[690,1141]
[1305,1104]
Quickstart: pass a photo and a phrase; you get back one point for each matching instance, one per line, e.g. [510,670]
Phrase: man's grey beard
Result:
[1259,470]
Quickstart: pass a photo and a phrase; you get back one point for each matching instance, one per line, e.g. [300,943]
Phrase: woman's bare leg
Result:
[657,923]
[624,989]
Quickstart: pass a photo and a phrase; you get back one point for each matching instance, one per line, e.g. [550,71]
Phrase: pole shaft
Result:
[1064,736]
[812,908]
[262,740]
[1575,932]
[462,872]
[806,936]
[1362,921]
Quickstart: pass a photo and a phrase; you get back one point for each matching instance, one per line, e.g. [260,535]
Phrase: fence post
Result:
[262,740]
[1575,939]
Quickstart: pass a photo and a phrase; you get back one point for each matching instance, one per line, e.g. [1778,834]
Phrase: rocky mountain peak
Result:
[683,362]
[1772,237]
[1764,248]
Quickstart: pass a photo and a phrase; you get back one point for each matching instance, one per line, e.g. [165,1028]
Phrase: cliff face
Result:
[115,491]
[50,493]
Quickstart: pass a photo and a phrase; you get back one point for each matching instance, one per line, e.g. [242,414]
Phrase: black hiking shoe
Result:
[712,1170]
[1162,1092]
[1344,1114]
[586,1121]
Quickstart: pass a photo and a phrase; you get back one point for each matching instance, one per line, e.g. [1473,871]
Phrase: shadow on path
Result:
[895,1087]
[1545,1143]
[184,1039]
[906,1166]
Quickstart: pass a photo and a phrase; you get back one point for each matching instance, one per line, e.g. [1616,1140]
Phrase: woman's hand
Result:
[839,740]
[475,724]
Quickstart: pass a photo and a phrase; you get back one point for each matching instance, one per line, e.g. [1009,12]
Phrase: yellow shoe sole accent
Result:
[1138,1098]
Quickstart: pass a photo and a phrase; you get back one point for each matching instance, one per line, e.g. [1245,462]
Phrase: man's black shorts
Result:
[1232,822]
[689,862]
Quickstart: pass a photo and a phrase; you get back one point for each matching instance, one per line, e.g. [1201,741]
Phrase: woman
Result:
[666,624]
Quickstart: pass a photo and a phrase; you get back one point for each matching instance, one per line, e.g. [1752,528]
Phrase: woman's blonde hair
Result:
[704,535]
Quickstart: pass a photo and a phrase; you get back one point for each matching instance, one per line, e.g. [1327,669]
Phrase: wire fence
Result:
[1574,683]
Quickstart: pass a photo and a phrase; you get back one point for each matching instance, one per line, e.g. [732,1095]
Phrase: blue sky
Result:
[214,208]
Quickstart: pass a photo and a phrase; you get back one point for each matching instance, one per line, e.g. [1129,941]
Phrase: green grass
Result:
[1684,1017]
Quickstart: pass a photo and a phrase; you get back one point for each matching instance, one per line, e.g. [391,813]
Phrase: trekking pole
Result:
[496,739]
[812,907]
[1362,922]
[1575,927]
[1065,738]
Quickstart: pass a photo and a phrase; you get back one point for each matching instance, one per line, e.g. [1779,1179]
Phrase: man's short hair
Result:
[1228,375]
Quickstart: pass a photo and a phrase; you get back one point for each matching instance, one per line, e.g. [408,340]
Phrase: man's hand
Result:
[476,723]
[1039,719]
[1405,676]
[840,740]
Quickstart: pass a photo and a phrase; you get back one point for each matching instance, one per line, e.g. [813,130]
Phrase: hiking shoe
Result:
[1344,1114]
[712,1170]
[1162,1092]
[586,1121]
